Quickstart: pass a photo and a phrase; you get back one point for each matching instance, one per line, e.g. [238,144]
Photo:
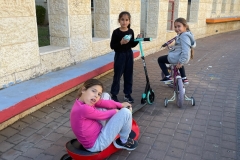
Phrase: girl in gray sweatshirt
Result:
[181,52]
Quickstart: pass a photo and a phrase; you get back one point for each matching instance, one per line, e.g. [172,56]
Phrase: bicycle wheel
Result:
[180,93]
[150,96]
[165,102]
[193,101]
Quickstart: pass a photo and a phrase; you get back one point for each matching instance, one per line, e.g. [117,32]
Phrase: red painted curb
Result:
[43,96]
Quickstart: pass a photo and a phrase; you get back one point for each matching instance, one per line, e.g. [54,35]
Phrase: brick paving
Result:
[207,131]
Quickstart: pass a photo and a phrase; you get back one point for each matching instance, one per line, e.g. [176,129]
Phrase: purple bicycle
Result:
[178,88]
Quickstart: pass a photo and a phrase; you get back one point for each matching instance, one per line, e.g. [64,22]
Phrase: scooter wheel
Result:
[165,102]
[66,157]
[150,96]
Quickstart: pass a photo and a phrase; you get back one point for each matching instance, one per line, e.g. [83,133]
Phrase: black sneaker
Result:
[166,79]
[114,97]
[130,145]
[128,98]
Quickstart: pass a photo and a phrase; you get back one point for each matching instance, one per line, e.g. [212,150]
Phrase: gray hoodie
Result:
[181,51]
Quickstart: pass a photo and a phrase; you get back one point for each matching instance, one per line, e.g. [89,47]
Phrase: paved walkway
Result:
[206,131]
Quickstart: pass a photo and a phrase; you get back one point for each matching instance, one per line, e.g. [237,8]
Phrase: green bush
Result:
[40,12]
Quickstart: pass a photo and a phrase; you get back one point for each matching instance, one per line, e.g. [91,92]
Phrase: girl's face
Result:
[91,95]
[179,27]
[124,21]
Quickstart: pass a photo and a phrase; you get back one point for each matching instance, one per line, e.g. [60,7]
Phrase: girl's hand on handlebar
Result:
[139,36]
[179,65]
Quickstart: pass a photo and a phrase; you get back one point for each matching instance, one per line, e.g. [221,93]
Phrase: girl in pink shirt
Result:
[87,114]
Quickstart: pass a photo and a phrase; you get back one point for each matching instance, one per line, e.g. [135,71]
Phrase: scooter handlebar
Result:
[143,39]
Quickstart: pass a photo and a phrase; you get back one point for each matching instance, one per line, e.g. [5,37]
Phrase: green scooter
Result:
[148,96]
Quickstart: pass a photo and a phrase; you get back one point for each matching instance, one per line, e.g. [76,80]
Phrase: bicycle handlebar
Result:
[142,39]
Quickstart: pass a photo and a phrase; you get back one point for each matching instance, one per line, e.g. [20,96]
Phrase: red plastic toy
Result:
[77,152]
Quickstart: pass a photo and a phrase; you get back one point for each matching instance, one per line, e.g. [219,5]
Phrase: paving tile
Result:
[178,144]
[62,130]
[207,155]
[137,156]
[29,119]
[170,158]
[11,154]
[53,136]
[196,141]
[17,138]
[45,144]
[175,152]
[181,137]
[167,131]
[33,152]
[190,156]
[23,158]
[194,149]
[37,125]
[44,156]
[2,138]
[164,138]
[4,146]
[8,132]
[39,114]
[152,130]
[211,147]
[158,145]
[27,131]
[156,154]
[23,146]
[54,150]
[19,125]
[34,138]
[46,120]
[228,153]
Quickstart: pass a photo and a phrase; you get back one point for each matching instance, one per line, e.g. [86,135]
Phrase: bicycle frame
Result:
[176,88]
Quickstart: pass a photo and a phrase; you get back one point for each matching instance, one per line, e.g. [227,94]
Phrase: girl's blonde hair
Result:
[88,84]
[184,22]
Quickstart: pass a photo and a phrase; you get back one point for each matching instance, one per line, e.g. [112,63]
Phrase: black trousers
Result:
[162,63]
[123,65]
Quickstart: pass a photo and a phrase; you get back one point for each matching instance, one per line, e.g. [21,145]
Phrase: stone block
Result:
[77,7]
[13,8]
[58,25]
[12,30]
[18,57]
[58,7]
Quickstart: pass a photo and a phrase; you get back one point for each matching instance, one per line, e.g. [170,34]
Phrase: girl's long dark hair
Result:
[89,83]
[123,13]
[184,22]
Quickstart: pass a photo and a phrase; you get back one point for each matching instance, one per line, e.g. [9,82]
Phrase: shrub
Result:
[40,12]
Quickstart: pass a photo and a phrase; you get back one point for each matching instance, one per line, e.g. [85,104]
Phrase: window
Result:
[143,26]
[214,6]
[223,6]
[170,19]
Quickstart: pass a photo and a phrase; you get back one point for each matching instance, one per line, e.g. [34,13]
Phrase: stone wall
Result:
[70,23]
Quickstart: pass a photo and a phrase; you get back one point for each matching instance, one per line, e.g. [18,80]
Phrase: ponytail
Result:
[192,53]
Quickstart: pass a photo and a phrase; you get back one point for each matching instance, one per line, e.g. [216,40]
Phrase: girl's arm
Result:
[186,50]
[93,113]
[115,42]
[108,104]
[133,43]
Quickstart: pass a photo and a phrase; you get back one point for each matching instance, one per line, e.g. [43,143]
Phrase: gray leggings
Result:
[120,123]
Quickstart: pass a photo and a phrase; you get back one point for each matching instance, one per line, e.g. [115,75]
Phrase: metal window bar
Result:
[171,11]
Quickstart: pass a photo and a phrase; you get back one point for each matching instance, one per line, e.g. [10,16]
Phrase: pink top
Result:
[84,120]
